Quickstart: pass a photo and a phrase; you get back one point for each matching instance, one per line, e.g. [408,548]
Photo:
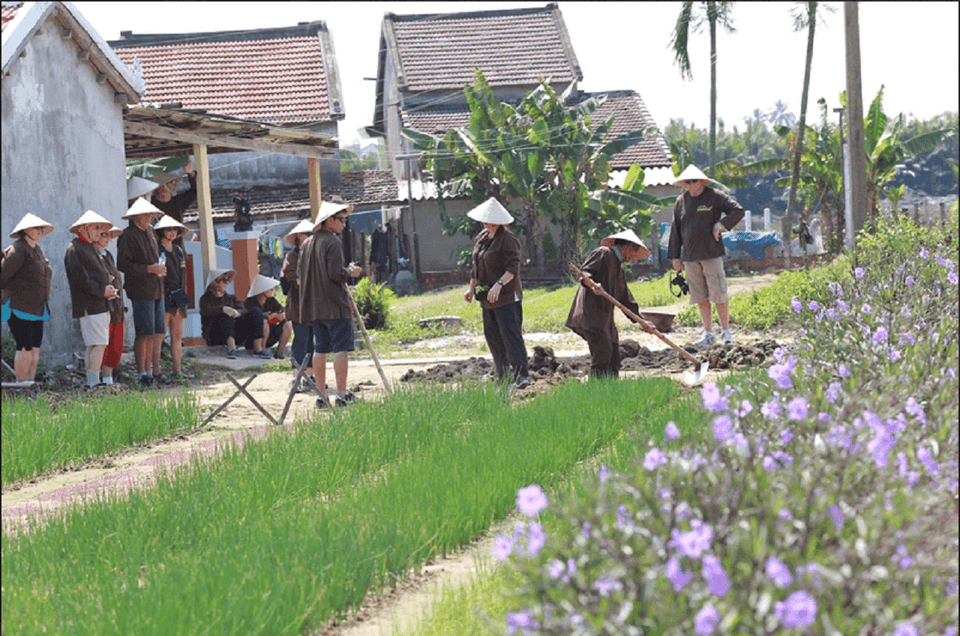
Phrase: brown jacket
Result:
[591,313]
[494,256]
[25,275]
[136,250]
[88,277]
[693,221]
[322,275]
[211,306]
[117,309]
[289,273]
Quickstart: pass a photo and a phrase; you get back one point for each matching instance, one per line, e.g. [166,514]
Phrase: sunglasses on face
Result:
[342,219]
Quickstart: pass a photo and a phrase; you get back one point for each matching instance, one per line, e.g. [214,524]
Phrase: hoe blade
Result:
[697,375]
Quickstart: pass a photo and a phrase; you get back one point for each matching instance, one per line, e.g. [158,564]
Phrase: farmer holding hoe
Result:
[699,216]
[591,315]
[324,299]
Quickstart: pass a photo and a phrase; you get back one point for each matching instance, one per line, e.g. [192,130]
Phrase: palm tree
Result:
[716,12]
[780,115]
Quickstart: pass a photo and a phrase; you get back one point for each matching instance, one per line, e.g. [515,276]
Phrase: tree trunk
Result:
[712,15]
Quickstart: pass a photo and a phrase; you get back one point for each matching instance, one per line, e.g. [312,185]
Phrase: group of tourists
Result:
[151,269]
[700,214]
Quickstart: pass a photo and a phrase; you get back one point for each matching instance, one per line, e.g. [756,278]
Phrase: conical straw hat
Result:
[141,206]
[88,218]
[328,209]
[217,273]
[303,227]
[691,173]
[629,236]
[138,186]
[31,220]
[114,232]
[167,222]
[491,211]
[261,284]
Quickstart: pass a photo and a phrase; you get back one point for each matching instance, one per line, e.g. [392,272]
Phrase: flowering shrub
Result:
[819,500]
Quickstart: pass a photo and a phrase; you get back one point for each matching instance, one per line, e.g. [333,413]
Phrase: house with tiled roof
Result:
[282,76]
[64,94]
[425,62]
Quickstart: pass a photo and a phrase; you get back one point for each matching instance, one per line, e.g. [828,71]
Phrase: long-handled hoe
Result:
[691,378]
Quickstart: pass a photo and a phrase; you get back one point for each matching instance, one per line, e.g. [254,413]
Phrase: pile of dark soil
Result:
[544,365]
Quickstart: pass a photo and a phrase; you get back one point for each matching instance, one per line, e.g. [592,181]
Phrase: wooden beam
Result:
[162,132]
[313,179]
[204,209]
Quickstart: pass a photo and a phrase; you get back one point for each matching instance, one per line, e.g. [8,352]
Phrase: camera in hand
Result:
[679,286]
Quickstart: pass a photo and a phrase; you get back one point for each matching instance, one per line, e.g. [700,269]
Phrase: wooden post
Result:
[916,213]
[208,240]
[943,215]
[855,131]
[314,180]
[654,245]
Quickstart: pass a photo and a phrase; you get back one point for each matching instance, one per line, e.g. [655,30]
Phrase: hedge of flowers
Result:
[820,499]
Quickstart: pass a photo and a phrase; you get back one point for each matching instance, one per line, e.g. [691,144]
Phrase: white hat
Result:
[114,232]
[167,222]
[89,218]
[138,186]
[163,178]
[691,173]
[627,235]
[217,273]
[261,284]
[28,221]
[327,210]
[141,206]
[303,227]
[490,211]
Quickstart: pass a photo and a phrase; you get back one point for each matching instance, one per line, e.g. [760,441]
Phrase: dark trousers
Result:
[604,354]
[222,327]
[250,327]
[502,329]
[302,344]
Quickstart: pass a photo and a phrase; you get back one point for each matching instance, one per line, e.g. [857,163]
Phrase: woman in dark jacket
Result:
[495,282]
[175,299]
[25,276]
[302,334]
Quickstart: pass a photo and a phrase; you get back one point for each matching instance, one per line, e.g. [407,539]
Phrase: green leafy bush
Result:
[373,302]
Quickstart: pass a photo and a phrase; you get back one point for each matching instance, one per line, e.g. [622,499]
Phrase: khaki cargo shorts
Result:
[707,280]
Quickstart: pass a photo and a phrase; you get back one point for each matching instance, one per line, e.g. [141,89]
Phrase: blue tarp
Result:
[753,243]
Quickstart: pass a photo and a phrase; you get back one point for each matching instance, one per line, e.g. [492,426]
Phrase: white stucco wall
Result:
[62,154]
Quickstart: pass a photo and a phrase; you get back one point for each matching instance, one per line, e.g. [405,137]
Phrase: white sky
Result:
[910,47]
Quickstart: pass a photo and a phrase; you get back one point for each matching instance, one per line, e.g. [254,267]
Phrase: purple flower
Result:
[623,516]
[536,540]
[722,428]
[502,548]
[813,305]
[952,277]
[906,338]
[604,473]
[653,458]
[843,371]
[909,281]
[779,572]
[712,399]
[867,309]
[834,391]
[880,335]
[716,578]
[671,431]
[785,514]
[780,373]
[881,445]
[556,569]
[842,306]
[585,529]
[799,610]
[770,408]
[677,576]
[905,629]
[797,305]
[521,620]
[706,620]
[903,557]
[531,500]
[839,437]
[927,460]
[858,272]
[797,408]
[785,436]
[837,515]
[693,543]
[746,406]
[605,587]
[893,354]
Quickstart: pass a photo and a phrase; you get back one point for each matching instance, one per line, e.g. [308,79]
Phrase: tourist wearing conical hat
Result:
[138,257]
[699,216]
[495,274]
[91,289]
[302,334]
[175,204]
[114,350]
[591,315]
[265,322]
[219,312]
[25,276]
[175,299]
[324,300]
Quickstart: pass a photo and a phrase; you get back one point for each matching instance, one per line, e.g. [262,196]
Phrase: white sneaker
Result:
[726,337]
[706,340]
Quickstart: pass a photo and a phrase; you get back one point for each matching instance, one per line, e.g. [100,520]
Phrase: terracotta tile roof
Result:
[365,188]
[277,76]
[8,12]
[626,107]
[512,47]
